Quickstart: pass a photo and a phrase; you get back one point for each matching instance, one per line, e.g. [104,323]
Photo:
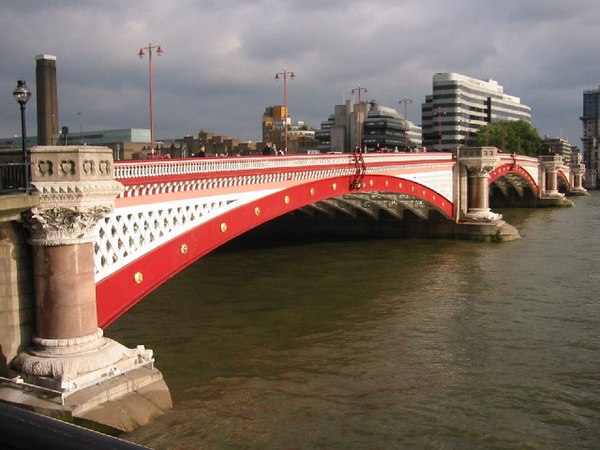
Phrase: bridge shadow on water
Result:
[295,229]
[269,291]
[280,336]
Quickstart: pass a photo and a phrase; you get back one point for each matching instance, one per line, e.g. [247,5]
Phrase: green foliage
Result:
[511,137]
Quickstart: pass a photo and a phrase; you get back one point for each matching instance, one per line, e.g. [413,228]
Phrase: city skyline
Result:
[217,70]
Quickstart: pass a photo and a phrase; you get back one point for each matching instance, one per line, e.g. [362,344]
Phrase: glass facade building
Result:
[382,128]
[591,128]
[385,128]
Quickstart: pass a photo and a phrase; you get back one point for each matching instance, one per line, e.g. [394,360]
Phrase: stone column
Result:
[77,188]
[550,165]
[577,171]
[479,162]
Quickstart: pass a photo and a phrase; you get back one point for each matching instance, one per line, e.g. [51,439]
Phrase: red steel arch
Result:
[123,289]
[564,179]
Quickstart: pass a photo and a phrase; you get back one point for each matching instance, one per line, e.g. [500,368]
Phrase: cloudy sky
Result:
[220,57]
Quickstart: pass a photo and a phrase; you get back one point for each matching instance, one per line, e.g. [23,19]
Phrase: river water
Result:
[391,344]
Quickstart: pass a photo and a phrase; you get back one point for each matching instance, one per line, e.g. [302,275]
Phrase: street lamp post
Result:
[466,130]
[159,51]
[80,129]
[285,75]
[406,102]
[21,95]
[439,112]
[358,119]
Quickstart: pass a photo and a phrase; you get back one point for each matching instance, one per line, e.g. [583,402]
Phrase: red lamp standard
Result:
[285,75]
[406,102]
[439,112]
[150,48]
[359,117]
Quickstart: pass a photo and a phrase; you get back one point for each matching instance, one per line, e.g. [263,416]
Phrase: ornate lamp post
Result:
[285,75]
[21,95]
[359,118]
[159,51]
[406,102]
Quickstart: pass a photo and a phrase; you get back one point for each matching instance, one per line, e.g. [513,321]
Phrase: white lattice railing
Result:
[128,233]
[147,169]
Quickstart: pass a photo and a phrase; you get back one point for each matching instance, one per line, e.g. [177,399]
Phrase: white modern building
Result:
[460,105]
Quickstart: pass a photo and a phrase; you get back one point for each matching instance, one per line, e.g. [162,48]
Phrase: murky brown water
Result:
[384,344]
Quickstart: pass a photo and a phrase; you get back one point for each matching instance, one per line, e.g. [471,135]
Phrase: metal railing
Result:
[14,177]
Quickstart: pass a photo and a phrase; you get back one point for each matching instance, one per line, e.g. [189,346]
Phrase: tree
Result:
[511,137]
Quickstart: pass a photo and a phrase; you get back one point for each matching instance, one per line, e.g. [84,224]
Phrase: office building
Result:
[460,105]
[276,122]
[591,128]
[385,128]
[126,143]
[381,128]
[339,133]
[559,146]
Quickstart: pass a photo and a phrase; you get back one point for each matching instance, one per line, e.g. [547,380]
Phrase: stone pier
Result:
[576,176]
[549,194]
[475,216]
[70,367]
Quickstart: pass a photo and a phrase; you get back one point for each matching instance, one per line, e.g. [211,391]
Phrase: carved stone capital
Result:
[76,188]
[479,161]
[552,162]
[63,226]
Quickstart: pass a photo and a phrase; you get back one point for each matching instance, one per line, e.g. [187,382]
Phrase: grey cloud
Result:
[217,72]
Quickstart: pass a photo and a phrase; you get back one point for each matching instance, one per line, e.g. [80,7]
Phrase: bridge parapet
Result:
[148,178]
[164,168]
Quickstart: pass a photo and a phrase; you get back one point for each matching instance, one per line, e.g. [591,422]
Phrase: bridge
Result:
[171,213]
[103,234]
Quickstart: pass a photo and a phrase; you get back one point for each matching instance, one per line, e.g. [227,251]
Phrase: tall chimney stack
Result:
[47,100]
